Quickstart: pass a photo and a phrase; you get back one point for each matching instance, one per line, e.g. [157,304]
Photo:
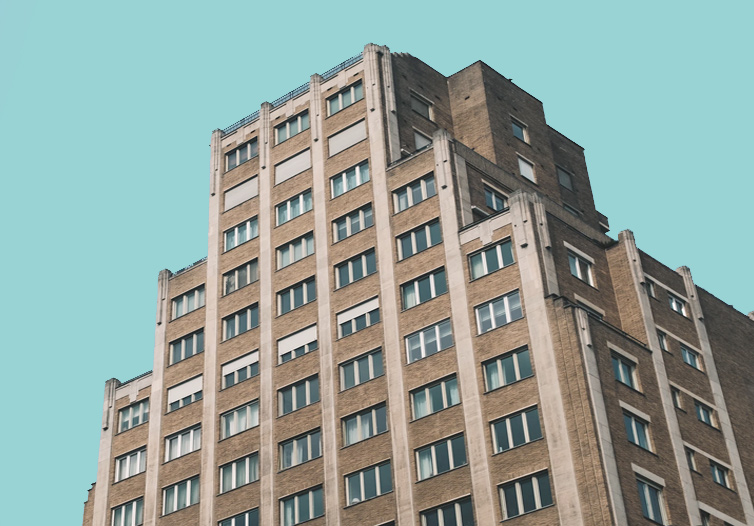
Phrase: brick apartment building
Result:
[410,314]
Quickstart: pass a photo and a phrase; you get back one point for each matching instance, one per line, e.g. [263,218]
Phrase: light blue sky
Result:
[106,111]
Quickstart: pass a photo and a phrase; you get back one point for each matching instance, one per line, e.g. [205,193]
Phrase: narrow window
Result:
[129,514]
[187,346]
[350,179]
[637,430]
[651,499]
[293,207]
[130,464]
[520,130]
[494,199]
[296,296]
[295,250]
[355,268]
[508,368]
[440,457]
[240,322]
[181,495]
[188,302]
[691,357]
[526,169]
[565,178]
[581,268]
[677,304]
[421,106]
[624,370]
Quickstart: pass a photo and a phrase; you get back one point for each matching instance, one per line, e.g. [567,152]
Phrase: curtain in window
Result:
[425,463]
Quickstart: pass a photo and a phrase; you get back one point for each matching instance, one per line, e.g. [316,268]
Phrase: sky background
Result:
[106,111]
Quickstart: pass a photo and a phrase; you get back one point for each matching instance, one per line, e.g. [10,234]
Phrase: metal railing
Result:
[330,73]
[290,95]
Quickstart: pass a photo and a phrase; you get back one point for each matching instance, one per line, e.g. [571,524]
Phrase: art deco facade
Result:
[411,314]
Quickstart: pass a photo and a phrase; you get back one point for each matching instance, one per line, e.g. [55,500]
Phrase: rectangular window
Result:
[301,507]
[293,166]
[241,193]
[495,200]
[440,457]
[429,341]
[526,169]
[520,130]
[516,430]
[241,154]
[295,250]
[239,419]
[421,140]
[293,207]
[458,513]
[525,495]
[637,430]
[296,296]
[183,443]
[298,395]
[350,179]
[663,339]
[297,344]
[676,395]
[581,268]
[130,464]
[624,370]
[240,369]
[690,458]
[301,449]
[421,106]
[677,304]
[368,483]
[239,472]
[241,233]
[292,127]
[414,193]
[181,495]
[134,415]
[185,393]
[355,268]
[187,346]
[498,312]
[241,276]
[240,322]
[424,288]
[352,223]
[706,518]
[364,424]
[347,137]
[188,302]
[435,397]
[719,474]
[564,178]
[691,357]
[129,514]
[419,239]
[650,286]
[650,496]
[704,413]
[346,97]
[361,369]
[508,368]
[247,518]
[358,317]
[491,259]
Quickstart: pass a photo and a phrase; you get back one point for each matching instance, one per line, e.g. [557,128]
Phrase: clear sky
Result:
[106,110]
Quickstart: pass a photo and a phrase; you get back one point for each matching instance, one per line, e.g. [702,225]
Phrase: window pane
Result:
[517,429]
[527,495]
[442,456]
[501,434]
[532,422]
[370,484]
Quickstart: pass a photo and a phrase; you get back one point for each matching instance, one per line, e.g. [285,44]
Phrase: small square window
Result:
[526,169]
[565,178]
[421,106]
[581,268]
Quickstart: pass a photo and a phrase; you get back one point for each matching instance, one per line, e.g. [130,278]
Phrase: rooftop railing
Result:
[184,269]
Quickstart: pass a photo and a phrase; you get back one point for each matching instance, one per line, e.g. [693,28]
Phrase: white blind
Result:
[240,363]
[243,192]
[347,138]
[358,310]
[185,389]
[293,166]
[296,340]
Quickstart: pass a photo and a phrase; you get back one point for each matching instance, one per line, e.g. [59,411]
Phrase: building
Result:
[411,314]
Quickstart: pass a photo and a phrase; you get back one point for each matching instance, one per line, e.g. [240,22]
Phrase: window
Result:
[240,322]
[414,193]
[581,268]
[293,207]
[296,296]
[663,339]
[564,178]
[526,169]
[130,464]
[435,397]
[525,495]
[677,304]
[240,369]
[297,344]
[181,495]
[428,341]
[350,95]
[359,317]
[516,430]
[676,395]
[624,370]
[491,259]
[293,166]
[352,223]
[239,419]
[292,127]
[301,507]
[364,424]
[361,369]
[350,179]
[424,288]
[368,483]
[185,393]
[419,239]
[247,518]
[240,277]
[190,301]
[239,472]
[495,200]
[241,154]
[499,312]
[241,193]
[421,106]
[355,268]
[187,346]
[421,140]
[301,449]
[183,442]
[571,210]
[690,458]
[298,395]
[440,457]
[347,137]
[637,430]
[242,233]
[704,413]
[296,250]
[129,514]
[650,286]
[508,368]
[650,496]
[520,130]
[719,474]
[458,513]
[134,414]
[705,518]
[691,357]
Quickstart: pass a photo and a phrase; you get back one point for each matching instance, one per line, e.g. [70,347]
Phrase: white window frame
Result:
[720,474]
[527,418]
[191,437]
[422,334]
[624,370]
[500,258]
[457,505]
[137,458]
[523,161]
[251,153]
[651,288]
[438,285]
[363,258]
[305,443]
[180,345]
[302,124]
[662,338]
[498,363]
[424,186]
[361,176]
[643,485]
[677,304]
[373,370]
[446,397]
[368,310]
[308,289]
[425,103]
[140,409]
[535,479]
[363,215]
[247,518]
[432,448]
[231,419]
[703,410]
[192,490]
[122,516]
[352,500]
[312,395]
[231,282]
[196,295]
[194,394]
[635,427]
[421,140]
[309,494]
[250,227]
[249,472]
[372,414]
[304,206]
[506,305]
[249,363]
[492,195]
[427,230]
[691,357]
[251,312]
[355,92]
[676,396]
[565,175]
[580,264]
[691,459]
[304,244]
[524,129]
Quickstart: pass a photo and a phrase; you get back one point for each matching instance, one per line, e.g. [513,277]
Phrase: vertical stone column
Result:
[109,425]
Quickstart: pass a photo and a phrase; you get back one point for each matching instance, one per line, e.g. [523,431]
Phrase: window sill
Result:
[226,250]
[180,456]
[435,413]
[424,302]
[429,355]
[239,288]
[351,235]
[518,446]
[499,327]
[441,474]
[239,433]
[355,281]
[291,219]
[184,315]
[361,383]
[235,384]
[528,512]
[132,427]
[237,487]
[364,440]
[472,280]
[356,332]
[239,165]
[294,262]
[330,156]
[184,359]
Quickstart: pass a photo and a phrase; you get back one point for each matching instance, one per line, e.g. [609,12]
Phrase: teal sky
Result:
[106,111]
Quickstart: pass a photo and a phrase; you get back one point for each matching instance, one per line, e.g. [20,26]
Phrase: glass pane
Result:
[402,199]
[349,377]
[352,430]
[430,341]
[511,502]
[368,219]
[421,240]
[425,463]
[451,391]
[517,429]
[377,364]
[446,336]
[317,506]
[459,451]
[507,253]
[337,186]
[370,484]
[341,228]
[442,457]
[364,172]
[358,92]
[303,507]
[435,234]
[467,514]
[298,296]
[227,479]
[485,320]
[527,495]
[435,397]
[431,518]
[406,247]
[333,105]
[351,179]
[300,396]
[380,416]
[524,364]
[491,257]
[386,480]
[430,184]
[364,369]
[354,489]
[287,401]
[367,429]
[532,422]
[416,192]
[346,98]
[314,390]
[501,434]
[371,263]
[420,404]
[545,495]
[441,286]
[425,289]
[449,515]
[498,308]
[492,375]
[509,370]
[182,495]
[357,269]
